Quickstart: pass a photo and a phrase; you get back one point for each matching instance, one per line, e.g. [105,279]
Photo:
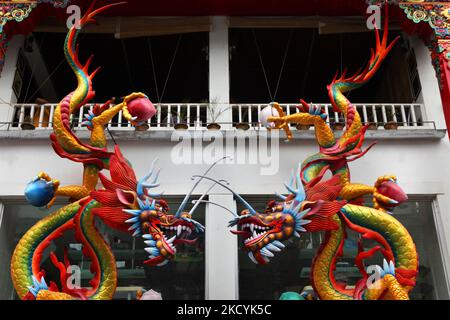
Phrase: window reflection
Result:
[290,269]
[183,278]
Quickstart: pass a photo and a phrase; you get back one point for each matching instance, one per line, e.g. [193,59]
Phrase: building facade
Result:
[418,152]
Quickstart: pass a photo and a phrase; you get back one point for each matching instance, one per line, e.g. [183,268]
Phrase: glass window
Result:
[183,278]
[290,269]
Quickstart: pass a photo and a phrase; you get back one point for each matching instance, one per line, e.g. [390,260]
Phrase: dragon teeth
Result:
[162,264]
[252,257]
[279,244]
[272,248]
[152,251]
[266,253]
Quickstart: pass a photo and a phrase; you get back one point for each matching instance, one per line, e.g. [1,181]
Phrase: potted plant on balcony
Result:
[337,125]
[391,124]
[27,123]
[142,127]
[371,123]
[215,112]
[180,121]
[243,126]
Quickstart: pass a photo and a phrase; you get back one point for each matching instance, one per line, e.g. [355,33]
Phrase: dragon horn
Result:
[301,195]
[91,13]
[186,199]
[245,203]
[142,184]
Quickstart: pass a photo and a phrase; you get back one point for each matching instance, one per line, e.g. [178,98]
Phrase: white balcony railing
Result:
[409,116]
[168,115]
[195,116]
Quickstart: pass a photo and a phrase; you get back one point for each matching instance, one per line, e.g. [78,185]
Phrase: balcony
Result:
[387,121]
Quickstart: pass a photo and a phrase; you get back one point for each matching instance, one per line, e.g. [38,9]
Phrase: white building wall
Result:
[422,167]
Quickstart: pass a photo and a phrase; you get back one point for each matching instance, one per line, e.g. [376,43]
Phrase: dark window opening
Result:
[311,63]
[126,67]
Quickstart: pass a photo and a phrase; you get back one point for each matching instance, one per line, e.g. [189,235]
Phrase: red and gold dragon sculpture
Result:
[336,205]
[125,203]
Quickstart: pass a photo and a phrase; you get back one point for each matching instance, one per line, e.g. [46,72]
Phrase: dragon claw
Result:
[37,286]
[313,110]
[317,111]
[88,120]
[388,268]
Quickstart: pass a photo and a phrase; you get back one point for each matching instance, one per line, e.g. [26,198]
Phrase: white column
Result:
[431,95]
[219,73]
[221,250]
[2,210]
[7,96]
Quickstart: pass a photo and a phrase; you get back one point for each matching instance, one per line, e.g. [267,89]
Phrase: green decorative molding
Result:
[15,11]
[437,15]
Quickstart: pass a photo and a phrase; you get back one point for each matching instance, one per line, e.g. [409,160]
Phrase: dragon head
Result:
[306,209]
[129,206]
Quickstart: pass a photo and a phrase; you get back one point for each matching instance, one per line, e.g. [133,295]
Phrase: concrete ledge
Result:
[422,134]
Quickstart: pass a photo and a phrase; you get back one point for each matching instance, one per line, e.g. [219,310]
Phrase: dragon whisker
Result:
[245,203]
[203,196]
[189,194]
[216,204]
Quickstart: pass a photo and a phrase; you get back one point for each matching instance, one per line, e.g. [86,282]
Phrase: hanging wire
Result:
[341,44]
[111,135]
[150,49]
[127,64]
[288,45]
[33,69]
[286,52]
[49,77]
[258,49]
[308,61]
[341,49]
[82,36]
[171,65]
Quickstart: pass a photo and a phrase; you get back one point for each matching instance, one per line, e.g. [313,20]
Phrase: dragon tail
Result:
[343,84]
[65,143]
[346,83]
